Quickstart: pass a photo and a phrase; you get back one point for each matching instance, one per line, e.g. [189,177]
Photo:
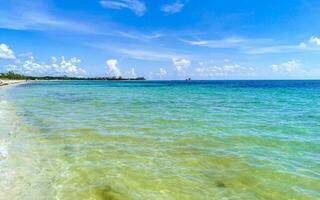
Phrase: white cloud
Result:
[143,54]
[291,65]
[274,68]
[208,69]
[315,40]
[132,73]
[172,8]
[6,52]
[231,67]
[311,45]
[162,72]
[287,67]
[277,49]
[36,15]
[224,43]
[135,6]
[257,46]
[113,69]
[181,64]
[56,67]
[140,36]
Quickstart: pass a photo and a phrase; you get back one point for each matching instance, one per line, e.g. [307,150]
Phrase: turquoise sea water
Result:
[160,140]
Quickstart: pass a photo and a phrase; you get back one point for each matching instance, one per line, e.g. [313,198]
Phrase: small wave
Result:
[6,126]
[3,151]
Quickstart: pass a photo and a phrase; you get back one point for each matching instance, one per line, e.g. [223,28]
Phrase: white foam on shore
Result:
[7,125]
[3,151]
[5,118]
[21,174]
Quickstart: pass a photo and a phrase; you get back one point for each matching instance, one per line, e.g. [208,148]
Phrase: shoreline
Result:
[11,82]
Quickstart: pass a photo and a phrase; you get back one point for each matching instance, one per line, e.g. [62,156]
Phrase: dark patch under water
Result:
[220,184]
[106,193]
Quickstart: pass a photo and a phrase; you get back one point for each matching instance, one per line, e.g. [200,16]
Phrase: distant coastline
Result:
[18,77]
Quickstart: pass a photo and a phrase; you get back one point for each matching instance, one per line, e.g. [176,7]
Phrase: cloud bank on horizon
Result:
[167,39]
[28,65]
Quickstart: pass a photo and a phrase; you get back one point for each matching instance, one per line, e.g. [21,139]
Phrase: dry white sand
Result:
[10,82]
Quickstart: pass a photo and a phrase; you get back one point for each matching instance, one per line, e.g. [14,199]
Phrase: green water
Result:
[160,140]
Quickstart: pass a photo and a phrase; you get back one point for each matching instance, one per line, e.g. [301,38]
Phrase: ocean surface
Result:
[168,140]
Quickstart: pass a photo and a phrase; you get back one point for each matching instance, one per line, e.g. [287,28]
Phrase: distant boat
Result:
[188,79]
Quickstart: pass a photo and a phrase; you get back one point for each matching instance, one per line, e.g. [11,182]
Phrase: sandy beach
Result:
[11,82]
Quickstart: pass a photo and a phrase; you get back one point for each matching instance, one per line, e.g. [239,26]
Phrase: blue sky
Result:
[165,39]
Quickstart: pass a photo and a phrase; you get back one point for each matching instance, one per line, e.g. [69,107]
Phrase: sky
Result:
[162,40]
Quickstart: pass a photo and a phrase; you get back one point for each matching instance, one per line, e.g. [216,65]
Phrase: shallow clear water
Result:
[160,140]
